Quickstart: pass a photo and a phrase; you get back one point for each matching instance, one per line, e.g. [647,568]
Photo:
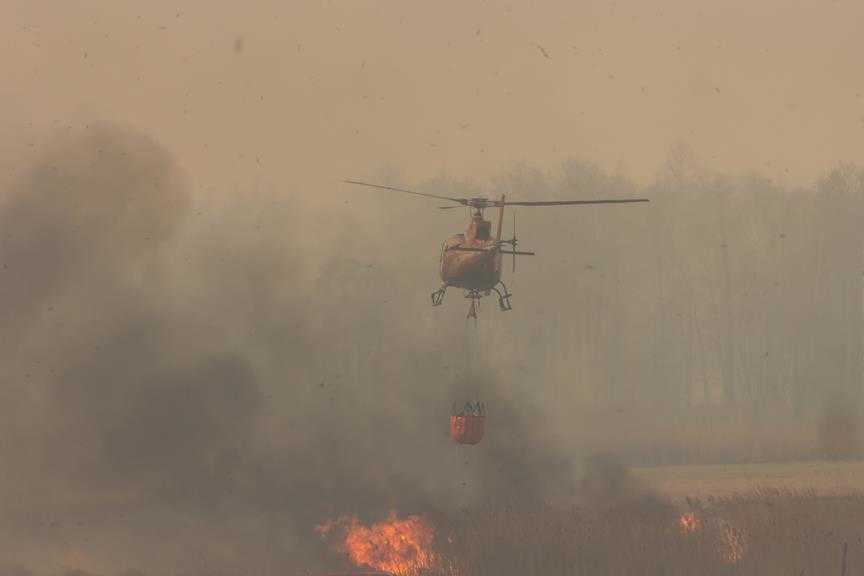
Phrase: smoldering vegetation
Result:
[755,533]
[193,380]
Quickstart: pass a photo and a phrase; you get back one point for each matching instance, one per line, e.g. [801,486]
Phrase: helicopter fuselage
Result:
[470,270]
[472,260]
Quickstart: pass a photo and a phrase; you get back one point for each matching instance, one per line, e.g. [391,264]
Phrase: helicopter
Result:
[472,260]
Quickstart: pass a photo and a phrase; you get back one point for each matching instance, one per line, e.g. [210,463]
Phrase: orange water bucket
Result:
[467,429]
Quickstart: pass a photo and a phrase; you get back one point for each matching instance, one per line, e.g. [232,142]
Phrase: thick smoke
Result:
[192,380]
[197,370]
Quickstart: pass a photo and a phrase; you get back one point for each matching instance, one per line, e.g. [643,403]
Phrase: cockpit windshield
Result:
[483,230]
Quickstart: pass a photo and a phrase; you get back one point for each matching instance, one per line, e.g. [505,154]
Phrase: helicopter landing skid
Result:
[438,296]
[475,295]
[503,299]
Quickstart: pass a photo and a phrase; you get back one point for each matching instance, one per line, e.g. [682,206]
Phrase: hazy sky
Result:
[109,279]
[311,92]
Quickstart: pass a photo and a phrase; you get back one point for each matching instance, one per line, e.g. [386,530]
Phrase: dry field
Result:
[757,534]
[721,480]
[804,518]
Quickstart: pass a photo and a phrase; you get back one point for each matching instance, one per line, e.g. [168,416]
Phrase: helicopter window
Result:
[483,229]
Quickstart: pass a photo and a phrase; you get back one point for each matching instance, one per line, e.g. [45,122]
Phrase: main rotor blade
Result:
[485,203]
[575,202]
[462,201]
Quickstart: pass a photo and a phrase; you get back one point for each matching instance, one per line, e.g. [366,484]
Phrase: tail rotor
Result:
[514,242]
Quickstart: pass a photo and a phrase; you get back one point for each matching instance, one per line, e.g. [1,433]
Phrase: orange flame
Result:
[732,542]
[398,546]
[689,523]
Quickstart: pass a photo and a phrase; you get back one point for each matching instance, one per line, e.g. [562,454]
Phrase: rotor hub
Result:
[479,203]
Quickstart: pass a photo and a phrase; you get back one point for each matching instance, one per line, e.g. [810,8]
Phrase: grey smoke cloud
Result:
[162,372]
[225,371]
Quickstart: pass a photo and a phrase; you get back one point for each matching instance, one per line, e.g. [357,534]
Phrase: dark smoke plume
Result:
[174,370]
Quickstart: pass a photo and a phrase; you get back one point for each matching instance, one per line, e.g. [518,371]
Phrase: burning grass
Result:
[760,533]
[402,546]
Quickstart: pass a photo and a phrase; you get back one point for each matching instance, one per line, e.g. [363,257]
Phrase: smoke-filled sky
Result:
[308,92]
